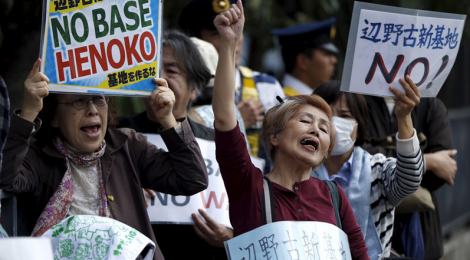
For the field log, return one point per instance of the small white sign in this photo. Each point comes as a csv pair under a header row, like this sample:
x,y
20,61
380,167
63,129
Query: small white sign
x,y
290,240
387,43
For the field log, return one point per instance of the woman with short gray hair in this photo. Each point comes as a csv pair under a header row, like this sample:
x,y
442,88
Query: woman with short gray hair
x,y
298,144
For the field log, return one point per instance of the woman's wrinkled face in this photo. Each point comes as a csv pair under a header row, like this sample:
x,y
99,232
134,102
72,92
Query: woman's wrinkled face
x,y
305,137
84,129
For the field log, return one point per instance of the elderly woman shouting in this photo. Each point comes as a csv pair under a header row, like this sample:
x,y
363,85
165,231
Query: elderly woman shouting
x,y
81,165
298,136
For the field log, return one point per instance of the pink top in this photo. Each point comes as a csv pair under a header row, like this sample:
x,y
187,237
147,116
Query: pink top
x,y
310,200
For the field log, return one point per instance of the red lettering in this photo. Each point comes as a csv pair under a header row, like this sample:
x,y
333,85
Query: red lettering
x,y
147,57
61,65
212,196
109,52
94,55
127,50
80,60
131,50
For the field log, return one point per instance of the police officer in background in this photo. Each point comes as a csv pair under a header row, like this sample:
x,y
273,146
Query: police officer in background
x,y
255,93
309,55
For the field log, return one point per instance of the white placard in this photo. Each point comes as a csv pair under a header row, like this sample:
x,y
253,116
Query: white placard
x,y
387,43
167,208
290,240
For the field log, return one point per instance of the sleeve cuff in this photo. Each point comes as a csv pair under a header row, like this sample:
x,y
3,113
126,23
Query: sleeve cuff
x,y
178,136
408,146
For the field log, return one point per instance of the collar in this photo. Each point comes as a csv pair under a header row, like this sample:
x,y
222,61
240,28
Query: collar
x,y
299,86
343,177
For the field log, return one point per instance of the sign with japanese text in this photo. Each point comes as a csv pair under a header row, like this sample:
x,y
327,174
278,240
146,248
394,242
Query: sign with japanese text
x,y
166,208
290,240
97,46
387,43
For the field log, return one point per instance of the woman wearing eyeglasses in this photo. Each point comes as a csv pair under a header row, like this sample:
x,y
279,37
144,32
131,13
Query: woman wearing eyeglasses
x,y
80,165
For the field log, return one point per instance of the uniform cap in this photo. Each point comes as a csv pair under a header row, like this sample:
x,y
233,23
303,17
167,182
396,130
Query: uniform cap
x,y
308,35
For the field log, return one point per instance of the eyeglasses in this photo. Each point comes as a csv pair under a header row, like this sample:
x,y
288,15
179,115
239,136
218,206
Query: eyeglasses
x,y
82,103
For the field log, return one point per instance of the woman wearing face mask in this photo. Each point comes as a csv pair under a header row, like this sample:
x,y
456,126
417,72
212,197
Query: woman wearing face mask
x,y
374,184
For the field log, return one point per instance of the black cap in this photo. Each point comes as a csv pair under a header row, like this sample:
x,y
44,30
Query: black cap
x,y
308,35
200,14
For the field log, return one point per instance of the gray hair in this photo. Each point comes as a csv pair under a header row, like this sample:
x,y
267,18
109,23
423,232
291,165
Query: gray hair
x,y
189,59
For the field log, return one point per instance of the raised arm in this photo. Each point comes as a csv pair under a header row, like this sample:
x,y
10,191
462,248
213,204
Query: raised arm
x,y
229,24
402,175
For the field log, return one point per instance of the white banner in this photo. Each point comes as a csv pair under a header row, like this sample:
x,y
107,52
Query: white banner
x,y
291,240
387,43
178,209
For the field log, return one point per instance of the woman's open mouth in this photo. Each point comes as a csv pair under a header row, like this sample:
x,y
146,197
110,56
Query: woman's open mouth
x,y
92,130
309,144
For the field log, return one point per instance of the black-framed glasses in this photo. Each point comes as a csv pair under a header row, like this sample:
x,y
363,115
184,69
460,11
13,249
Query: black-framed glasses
x,y
82,103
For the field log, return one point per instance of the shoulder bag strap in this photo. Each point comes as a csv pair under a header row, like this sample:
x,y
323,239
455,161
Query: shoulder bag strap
x,y
267,203
336,203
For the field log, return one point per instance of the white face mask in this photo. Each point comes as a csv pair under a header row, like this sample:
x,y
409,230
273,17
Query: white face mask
x,y
344,129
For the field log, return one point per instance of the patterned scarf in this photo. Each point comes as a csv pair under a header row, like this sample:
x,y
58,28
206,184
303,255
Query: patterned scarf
x,y
58,206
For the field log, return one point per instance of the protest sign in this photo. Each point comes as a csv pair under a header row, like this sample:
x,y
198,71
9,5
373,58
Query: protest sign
x,y
86,237
386,43
290,240
96,46
178,209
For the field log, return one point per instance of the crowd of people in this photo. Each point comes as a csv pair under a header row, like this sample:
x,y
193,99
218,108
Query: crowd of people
x,y
68,155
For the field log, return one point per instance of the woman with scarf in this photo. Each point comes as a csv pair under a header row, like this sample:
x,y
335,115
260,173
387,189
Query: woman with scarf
x,y
81,165
374,184
298,136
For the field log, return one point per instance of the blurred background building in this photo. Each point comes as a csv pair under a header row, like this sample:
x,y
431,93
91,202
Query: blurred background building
x,y
20,34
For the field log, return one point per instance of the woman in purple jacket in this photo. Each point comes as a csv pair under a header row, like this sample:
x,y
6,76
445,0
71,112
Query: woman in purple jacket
x,y
81,165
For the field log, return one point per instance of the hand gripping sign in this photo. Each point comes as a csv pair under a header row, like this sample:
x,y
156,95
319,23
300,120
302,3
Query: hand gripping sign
x,y
97,46
165,209
290,240
387,43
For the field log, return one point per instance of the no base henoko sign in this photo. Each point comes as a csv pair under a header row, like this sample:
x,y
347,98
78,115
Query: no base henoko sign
x,y
101,46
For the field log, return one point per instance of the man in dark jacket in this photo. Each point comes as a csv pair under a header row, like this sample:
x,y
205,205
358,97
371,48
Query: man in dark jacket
x,y
433,128
184,69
